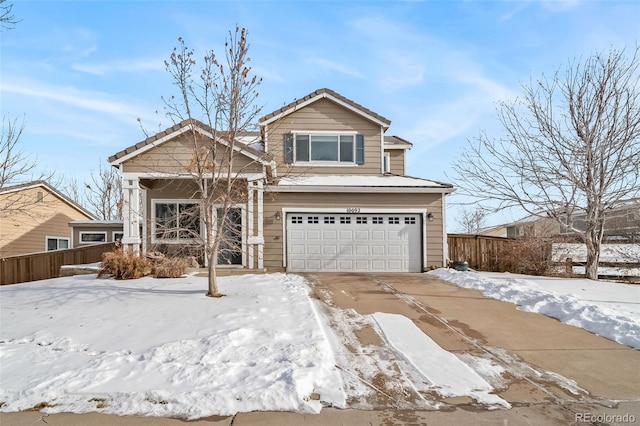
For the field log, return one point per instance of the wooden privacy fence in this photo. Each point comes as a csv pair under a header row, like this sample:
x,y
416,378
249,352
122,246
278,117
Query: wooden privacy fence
x,y
46,264
483,253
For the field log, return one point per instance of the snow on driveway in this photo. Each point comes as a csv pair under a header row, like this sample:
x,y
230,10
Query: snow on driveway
x,y
608,309
445,371
160,347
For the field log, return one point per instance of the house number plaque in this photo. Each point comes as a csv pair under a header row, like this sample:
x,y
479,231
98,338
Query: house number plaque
x,y
353,210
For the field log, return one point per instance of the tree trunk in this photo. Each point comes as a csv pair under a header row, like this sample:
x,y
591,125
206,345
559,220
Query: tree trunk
x,y
213,278
592,241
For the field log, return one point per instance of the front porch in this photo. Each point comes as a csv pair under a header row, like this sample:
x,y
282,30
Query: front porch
x,y
166,213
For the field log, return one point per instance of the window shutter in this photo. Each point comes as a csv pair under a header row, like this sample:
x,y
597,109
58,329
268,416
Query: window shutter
x,y
288,148
359,149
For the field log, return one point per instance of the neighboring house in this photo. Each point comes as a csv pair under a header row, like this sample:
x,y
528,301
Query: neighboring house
x,y
325,191
86,232
622,224
35,217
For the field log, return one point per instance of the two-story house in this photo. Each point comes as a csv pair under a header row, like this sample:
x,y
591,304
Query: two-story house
x,y
324,190
35,217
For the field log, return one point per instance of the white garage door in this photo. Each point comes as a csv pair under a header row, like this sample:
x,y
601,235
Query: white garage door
x,y
353,242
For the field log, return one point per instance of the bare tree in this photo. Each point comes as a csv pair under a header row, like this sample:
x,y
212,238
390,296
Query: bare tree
x,y
16,167
102,193
571,144
472,221
8,20
14,163
223,97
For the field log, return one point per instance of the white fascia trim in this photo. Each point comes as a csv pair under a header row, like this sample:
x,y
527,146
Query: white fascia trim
x,y
322,96
364,210
164,175
357,189
393,146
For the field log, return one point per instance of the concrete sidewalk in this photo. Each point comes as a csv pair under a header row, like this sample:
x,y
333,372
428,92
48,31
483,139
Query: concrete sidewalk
x,y
540,414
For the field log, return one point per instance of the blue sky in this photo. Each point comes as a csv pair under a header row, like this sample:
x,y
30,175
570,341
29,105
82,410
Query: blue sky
x,y
82,72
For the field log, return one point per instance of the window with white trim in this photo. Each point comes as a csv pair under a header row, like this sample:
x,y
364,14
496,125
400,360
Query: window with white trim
x,y
57,243
340,148
93,237
386,163
175,221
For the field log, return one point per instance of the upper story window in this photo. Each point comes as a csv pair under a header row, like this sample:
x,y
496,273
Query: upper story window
x,y
324,148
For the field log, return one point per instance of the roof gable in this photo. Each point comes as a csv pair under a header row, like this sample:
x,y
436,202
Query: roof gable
x,y
178,129
50,189
325,94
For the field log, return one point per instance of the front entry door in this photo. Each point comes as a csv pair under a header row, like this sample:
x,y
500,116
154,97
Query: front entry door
x,y
230,251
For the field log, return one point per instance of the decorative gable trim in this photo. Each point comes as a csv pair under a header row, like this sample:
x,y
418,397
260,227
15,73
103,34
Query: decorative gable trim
x,y
332,96
175,131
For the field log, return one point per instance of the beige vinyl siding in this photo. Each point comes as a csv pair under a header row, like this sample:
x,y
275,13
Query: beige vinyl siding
x,y
325,115
176,155
396,161
26,232
273,230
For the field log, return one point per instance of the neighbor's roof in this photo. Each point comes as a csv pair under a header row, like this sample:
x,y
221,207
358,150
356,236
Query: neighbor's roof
x,y
361,183
324,94
51,189
180,128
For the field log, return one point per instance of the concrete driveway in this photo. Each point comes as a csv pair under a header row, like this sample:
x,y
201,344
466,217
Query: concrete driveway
x,y
554,374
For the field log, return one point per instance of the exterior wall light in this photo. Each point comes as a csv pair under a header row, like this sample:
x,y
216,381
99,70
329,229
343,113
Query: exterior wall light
x,y
278,216
430,217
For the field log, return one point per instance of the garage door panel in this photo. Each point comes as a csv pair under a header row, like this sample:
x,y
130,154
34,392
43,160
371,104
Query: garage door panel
x,y
297,249
362,250
362,235
346,265
346,250
314,249
378,235
330,265
378,250
330,250
313,234
356,242
329,234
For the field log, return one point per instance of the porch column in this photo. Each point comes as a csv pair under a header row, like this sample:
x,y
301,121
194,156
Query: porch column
x,y
130,213
260,226
250,219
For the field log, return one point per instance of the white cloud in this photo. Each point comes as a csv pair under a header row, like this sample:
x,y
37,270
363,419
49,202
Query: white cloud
x,y
120,66
87,100
334,66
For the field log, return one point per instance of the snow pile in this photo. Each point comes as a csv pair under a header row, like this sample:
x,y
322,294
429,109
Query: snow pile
x,y
448,375
161,348
605,308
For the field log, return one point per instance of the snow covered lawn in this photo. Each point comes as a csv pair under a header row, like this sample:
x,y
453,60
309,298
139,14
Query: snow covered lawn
x,y
605,308
160,347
